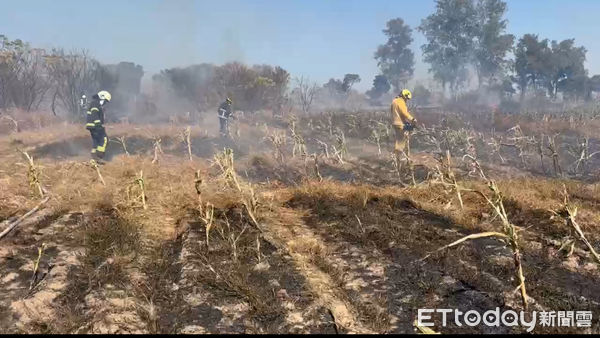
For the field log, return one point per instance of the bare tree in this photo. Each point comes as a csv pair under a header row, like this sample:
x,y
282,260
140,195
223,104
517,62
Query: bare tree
x,y
31,83
23,77
72,74
306,92
9,63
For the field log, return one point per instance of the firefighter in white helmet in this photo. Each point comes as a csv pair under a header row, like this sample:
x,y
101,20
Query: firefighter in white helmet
x,y
95,123
83,102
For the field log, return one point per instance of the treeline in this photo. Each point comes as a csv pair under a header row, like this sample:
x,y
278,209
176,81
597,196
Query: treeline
x,y
467,40
204,86
34,78
30,77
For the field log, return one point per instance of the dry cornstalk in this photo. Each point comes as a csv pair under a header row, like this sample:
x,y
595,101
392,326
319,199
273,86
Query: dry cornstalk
x,y
225,162
376,138
121,140
509,235
197,185
583,155
341,149
466,238
338,155
511,231
33,174
236,127
249,199
251,203
324,147
352,123
14,122
430,138
157,149
306,171
185,135
317,172
568,213
299,144
22,218
397,164
476,166
278,140
386,128
554,154
208,219
447,177
411,167
94,165
258,255
36,265
233,240
495,144
360,225
330,123
539,147
141,183
520,142
471,148
566,242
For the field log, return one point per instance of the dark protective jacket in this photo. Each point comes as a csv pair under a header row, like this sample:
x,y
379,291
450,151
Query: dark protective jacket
x,y
225,110
94,116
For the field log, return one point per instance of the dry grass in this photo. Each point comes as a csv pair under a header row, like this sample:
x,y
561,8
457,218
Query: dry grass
x,y
135,203
329,201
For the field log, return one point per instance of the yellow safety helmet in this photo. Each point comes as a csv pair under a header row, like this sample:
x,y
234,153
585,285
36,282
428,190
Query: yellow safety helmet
x,y
406,94
229,100
104,95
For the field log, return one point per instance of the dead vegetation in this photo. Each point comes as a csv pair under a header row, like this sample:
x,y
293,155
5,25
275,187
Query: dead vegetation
x,y
318,231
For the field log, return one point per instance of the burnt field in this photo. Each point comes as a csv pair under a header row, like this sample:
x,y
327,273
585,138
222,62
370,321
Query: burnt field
x,y
301,224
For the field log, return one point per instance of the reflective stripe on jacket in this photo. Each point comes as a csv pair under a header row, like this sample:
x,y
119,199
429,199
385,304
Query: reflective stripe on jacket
x,y
224,111
94,115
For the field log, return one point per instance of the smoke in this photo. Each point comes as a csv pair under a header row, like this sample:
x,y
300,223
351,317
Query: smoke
x,y
231,49
180,20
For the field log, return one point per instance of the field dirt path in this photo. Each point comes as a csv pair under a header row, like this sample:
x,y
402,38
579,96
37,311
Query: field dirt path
x,y
286,229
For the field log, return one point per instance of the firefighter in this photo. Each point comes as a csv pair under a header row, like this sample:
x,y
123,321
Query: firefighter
x,y
95,123
83,103
224,115
402,121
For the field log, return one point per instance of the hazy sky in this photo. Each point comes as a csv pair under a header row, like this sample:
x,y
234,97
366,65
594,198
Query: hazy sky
x,y
316,38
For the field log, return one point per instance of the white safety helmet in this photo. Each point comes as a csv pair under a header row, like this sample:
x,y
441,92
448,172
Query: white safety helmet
x,y
104,95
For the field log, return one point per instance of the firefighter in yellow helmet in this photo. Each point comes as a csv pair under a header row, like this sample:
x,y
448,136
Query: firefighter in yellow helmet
x,y
95,123
402,121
